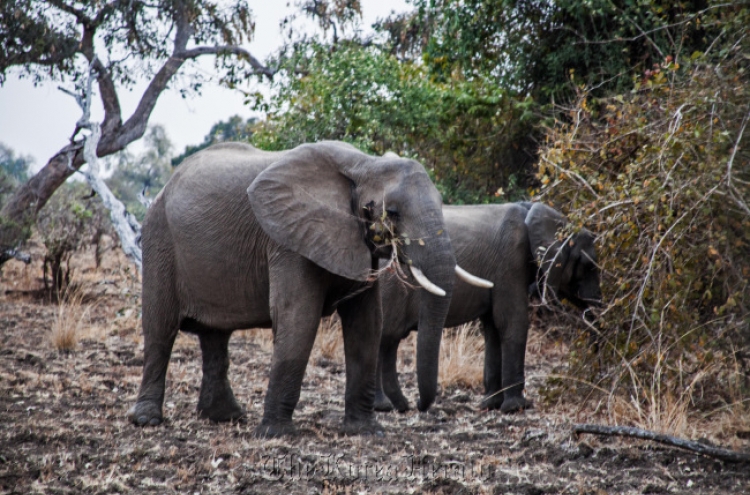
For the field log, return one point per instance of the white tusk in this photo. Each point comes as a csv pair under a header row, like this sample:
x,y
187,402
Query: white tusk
x,y
473,279
425,282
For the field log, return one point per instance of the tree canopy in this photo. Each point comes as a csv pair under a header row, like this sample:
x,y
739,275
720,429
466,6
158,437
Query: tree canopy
x,y
537,48
469,134
63,40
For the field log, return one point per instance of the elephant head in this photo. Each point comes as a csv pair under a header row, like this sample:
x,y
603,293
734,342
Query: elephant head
x,y
343,209
567,269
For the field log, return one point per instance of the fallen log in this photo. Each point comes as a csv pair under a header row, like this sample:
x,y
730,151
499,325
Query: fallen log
x,y
628,431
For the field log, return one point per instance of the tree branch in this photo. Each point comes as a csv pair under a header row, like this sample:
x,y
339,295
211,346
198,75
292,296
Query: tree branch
x,y
127,227
80,15
233,50
627,431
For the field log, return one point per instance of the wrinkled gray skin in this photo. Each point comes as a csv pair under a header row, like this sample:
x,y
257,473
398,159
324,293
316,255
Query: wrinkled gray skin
x,y
495,242
298,249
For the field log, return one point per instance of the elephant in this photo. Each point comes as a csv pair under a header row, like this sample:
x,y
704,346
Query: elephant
x,y
515,246
244,238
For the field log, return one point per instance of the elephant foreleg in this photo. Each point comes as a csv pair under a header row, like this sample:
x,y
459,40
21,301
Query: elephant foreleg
x,y
217,401
382,403
361,322
389,358
493,366
296,309
513,362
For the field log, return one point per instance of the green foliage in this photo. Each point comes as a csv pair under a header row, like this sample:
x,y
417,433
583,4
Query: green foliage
x,y
45,39
662,174
467,133
234,129
537,47
142,174
13,171
73,219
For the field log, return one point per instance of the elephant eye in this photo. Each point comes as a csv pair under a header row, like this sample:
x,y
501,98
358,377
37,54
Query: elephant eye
x,y
392,213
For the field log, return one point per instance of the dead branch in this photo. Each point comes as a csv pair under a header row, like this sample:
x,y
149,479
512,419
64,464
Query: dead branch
x,y
127,227
628,431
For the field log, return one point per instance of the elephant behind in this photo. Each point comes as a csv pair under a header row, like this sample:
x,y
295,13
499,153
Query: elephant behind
x,y
242,238
515,246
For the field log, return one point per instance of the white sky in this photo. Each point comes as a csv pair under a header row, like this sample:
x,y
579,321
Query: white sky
x,y
38,121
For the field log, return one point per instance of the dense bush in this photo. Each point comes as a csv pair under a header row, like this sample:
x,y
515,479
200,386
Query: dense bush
x,y
662,174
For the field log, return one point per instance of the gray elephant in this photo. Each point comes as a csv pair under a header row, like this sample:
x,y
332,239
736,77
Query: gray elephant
x,y
306,243
515,246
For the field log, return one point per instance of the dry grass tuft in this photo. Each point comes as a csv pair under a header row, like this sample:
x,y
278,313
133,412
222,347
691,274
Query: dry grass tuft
x,y
462,357
72,320
329,342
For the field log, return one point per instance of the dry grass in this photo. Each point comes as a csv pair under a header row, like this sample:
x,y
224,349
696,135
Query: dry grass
x,y
72,321
262,337
329,343
462,357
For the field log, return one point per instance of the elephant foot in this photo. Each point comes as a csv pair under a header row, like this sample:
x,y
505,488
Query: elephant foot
x,y
223,413
382,403
269,429
492,402
422,406
401,404
362,427
514,404
218,404
145,413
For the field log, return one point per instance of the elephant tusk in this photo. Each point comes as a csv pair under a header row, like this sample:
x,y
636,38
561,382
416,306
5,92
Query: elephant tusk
x,y
473,279
425,282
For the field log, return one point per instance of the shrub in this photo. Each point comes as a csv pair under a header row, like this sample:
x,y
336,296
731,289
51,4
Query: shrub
x,y
662,174
71,220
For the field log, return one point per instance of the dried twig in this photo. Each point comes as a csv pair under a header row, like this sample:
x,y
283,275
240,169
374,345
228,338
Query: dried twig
x,y
628,431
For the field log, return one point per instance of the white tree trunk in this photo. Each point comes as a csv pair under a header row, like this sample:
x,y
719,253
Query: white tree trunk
x,y
127,227
125,224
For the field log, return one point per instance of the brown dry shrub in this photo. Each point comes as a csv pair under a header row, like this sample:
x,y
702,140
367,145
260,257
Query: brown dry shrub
x,y
663,176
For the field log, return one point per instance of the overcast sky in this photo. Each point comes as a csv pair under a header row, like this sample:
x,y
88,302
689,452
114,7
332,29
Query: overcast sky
x,y
39,121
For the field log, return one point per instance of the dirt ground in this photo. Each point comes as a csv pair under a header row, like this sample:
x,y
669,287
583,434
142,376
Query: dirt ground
x,y
63,427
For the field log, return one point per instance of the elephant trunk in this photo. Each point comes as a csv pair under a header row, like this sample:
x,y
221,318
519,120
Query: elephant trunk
x,y
432,313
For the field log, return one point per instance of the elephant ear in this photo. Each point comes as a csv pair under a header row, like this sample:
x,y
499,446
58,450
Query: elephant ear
x,y
542,223
304,202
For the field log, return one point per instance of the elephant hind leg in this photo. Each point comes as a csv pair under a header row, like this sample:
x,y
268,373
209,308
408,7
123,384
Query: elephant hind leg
x,y
493,366
217,401
160,327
